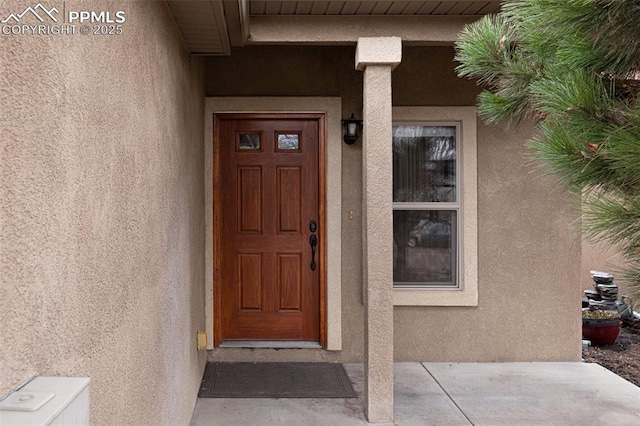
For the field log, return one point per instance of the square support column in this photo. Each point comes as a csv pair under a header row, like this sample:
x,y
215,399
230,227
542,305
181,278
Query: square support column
x,y
377,57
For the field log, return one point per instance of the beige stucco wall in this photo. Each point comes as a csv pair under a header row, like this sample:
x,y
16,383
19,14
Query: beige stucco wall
x,y
102,214
528,270
529,251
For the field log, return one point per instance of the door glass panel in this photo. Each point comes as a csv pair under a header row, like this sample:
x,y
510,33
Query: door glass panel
x,y
424,163
424,247
288,142
249,142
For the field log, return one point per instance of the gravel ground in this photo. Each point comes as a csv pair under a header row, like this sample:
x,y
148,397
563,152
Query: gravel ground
x,y
623,357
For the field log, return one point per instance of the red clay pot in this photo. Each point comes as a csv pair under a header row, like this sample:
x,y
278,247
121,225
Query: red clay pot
x,y
601,331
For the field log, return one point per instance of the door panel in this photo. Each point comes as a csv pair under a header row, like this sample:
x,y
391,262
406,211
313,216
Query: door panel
x,y
249,281
289,281
249,200
288,191
268,194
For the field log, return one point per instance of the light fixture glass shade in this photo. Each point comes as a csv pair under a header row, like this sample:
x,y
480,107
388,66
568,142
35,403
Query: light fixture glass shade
x,y
351,125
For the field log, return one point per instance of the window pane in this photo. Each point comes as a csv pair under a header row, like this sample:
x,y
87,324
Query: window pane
x,y
288,142
249,142
424,163
424,247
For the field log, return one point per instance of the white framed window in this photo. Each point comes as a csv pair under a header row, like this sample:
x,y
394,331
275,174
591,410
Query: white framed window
x,y
426,207
435,206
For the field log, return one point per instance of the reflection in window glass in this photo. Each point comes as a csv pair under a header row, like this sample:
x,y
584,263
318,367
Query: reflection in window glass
x,y
424,163
288,142
249,142
424,247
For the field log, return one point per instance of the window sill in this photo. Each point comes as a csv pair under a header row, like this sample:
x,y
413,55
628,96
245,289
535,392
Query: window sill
x,y
435,297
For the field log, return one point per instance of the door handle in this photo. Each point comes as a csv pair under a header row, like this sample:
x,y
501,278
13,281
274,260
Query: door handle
x,y
313,242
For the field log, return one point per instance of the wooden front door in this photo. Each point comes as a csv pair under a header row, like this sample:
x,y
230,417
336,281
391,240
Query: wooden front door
x,y
268,216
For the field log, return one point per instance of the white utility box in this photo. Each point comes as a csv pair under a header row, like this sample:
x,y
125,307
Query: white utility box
x,y
48,401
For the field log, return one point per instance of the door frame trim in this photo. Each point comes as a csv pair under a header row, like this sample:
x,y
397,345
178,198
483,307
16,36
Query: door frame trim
x,y
330,172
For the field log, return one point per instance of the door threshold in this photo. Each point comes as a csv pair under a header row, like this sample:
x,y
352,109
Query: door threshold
x,y
271,344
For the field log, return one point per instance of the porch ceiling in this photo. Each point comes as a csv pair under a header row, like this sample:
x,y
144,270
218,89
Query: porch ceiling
x,y
212,27
368,8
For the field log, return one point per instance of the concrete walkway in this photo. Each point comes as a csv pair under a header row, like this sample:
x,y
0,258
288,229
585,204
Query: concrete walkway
x,y
510,394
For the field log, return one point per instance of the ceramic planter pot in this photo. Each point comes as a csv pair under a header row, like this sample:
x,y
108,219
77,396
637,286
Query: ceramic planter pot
x,y
601,331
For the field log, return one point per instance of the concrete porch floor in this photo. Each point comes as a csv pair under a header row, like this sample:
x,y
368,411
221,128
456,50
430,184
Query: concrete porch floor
x,y
456,394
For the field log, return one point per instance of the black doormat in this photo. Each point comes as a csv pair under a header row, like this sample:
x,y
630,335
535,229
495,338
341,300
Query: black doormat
x,y
275,380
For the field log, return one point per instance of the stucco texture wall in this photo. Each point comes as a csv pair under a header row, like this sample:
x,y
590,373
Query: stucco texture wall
x,y
102,218
528,270
529,250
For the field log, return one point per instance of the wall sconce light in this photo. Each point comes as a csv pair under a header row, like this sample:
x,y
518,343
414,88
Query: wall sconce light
x,y
351,125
